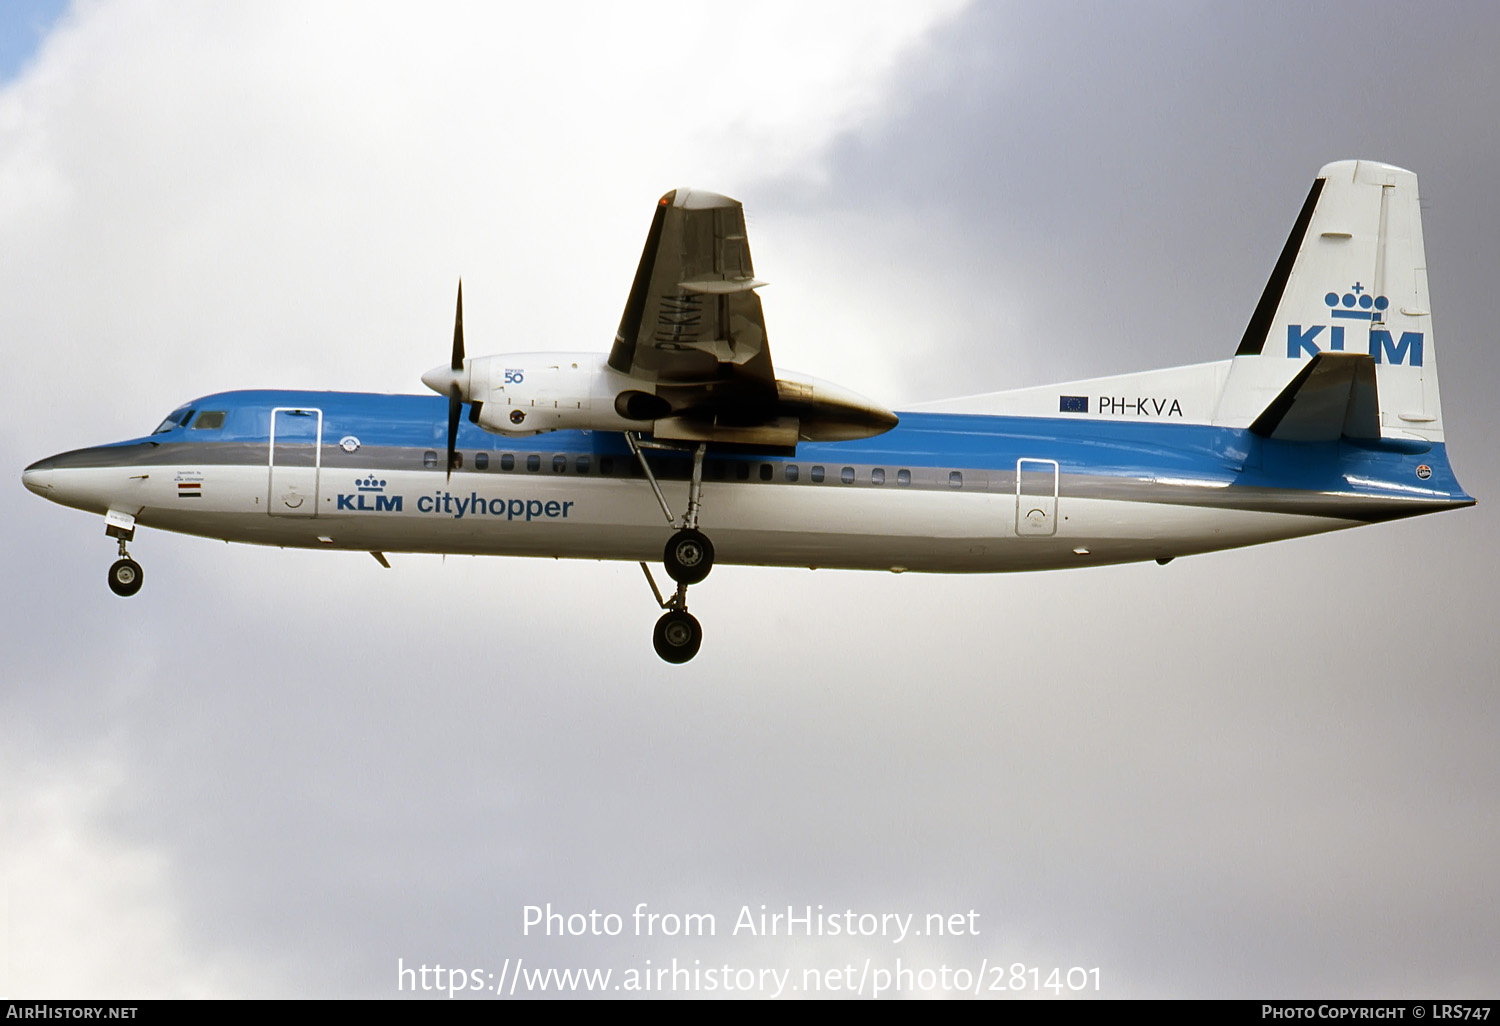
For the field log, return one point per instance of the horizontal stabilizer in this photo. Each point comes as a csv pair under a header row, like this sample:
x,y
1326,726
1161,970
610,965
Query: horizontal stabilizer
x,y
1333,396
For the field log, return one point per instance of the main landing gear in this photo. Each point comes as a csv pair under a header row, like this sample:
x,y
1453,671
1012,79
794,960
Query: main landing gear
x,y
688,556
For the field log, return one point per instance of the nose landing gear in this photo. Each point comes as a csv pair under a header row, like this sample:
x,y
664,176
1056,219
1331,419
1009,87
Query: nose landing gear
x,y
125,574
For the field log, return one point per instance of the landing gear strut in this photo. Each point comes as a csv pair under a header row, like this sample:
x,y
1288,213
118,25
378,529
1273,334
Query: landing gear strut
x,y
688,556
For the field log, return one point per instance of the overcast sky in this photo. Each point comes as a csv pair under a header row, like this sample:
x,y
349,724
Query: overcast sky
x,y
275,773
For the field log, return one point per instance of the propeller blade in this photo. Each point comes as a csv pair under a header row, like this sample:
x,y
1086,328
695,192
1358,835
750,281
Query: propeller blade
x,y
458,331
455,397
455,407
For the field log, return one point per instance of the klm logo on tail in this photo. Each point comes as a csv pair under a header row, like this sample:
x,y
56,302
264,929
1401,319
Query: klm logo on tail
x,y
1356,305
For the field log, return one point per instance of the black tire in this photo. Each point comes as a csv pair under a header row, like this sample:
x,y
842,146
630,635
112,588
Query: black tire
x,y
689,556
677,636
125,577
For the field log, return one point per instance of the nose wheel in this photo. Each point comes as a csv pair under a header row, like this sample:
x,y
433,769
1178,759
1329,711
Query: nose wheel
x,y
125,577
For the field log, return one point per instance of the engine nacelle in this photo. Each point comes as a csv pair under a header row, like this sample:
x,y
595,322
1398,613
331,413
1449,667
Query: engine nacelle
x,y
529,393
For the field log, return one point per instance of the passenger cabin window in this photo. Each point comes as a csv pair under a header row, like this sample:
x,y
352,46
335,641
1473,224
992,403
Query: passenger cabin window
x,y
877,476
791,471
481,461
507,461
429,458
606,465
581,464
458,460
559,464
955,479
817,475
847,475
903,477
765,471
742,471
209,420
533,463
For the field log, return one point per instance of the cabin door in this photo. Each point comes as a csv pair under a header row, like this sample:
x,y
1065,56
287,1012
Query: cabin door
x,y
295,460
1036,498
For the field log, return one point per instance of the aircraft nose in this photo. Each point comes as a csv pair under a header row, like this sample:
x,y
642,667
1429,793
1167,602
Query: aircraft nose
x,y
38,476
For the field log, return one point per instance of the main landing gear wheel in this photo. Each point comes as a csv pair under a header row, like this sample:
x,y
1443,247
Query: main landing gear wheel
x,y
689,556
125,577
677,636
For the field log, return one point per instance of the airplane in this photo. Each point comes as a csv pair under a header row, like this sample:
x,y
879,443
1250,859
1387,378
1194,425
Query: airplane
x,y
685,442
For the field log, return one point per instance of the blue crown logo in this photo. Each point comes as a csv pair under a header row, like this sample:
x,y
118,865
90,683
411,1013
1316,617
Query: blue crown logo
x,y
1357,304
370,484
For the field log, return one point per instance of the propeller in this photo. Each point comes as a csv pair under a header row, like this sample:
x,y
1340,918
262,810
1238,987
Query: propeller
x,y
448,380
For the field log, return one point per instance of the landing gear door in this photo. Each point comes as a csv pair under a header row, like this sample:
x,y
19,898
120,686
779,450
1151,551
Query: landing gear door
x,y
1036,498
295,459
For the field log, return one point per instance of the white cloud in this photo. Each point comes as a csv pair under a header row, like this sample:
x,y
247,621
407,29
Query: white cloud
x,y
285,193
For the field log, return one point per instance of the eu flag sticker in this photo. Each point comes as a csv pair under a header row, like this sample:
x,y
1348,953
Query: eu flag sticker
x,y
1072,404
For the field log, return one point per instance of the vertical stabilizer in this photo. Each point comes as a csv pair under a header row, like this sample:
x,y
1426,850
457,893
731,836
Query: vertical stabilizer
x,y
1351,279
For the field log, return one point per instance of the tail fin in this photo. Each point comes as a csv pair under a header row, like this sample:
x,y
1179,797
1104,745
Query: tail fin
x,y
1352,279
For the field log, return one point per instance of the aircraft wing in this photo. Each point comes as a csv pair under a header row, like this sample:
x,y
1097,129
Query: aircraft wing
x,y
694,336
693,321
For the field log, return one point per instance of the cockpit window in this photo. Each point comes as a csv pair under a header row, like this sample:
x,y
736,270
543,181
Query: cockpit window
x,y
208,420
175,420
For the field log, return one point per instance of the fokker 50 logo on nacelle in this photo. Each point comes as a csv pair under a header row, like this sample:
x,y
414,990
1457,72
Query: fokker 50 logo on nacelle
x,y
370,497
1356,305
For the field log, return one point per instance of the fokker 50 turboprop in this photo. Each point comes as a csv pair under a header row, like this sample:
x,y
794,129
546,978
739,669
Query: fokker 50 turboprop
x,y
1326,417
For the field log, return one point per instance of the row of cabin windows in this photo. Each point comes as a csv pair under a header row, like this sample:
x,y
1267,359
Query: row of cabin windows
x,y
714,470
